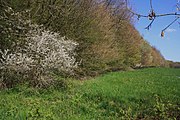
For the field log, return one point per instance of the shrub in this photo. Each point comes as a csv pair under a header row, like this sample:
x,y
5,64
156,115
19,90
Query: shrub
x,y
42,52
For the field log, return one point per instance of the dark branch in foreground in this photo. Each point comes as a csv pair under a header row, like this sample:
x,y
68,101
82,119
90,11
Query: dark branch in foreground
x,y
152,15
149,26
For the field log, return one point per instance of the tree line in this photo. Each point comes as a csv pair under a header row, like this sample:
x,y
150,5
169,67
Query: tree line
x,y
103,29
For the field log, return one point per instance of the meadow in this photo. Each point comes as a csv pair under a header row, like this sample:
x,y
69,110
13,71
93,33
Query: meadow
x,y
151,93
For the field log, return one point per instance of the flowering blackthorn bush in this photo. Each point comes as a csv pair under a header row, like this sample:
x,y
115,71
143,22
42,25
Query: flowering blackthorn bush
x,y
41,52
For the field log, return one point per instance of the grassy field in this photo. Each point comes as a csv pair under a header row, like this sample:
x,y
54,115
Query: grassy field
x,y
152,93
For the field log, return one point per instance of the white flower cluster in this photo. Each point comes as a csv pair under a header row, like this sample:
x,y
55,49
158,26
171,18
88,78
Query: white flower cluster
x,y
44,50
15,61
50,50
35,53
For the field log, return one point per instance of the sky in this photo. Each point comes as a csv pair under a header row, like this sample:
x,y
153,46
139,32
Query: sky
x,y
169,45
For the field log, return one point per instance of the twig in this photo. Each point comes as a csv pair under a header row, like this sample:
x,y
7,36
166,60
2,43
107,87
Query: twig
x,y
178,7
170,24
150,24
139,15
157,15
169,14
151,5
152,15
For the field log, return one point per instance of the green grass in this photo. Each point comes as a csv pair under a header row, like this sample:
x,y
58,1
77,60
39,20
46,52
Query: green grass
x,y
142,94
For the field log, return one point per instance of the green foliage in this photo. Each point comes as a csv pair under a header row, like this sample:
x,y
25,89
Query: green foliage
x,y
104,30
11,29
174,64
143,94
146,57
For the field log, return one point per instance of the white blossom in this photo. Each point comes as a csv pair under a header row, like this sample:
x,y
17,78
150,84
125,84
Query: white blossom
x,y
44,50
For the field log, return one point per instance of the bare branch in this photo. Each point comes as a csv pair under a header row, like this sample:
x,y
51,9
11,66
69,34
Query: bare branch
x,y
152,15
139,15
150,24
170,24
169,14
178,5
151,4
